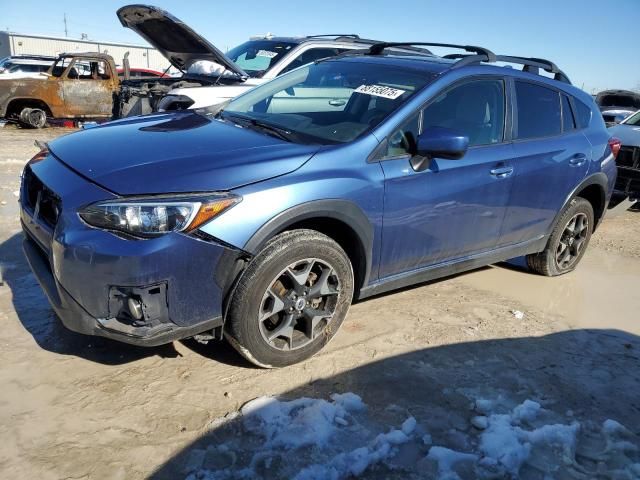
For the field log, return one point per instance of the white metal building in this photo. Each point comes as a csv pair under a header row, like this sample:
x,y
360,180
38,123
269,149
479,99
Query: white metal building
x,y
140,56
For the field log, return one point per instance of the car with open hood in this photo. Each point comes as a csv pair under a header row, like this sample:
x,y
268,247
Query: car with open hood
x,y
211,77
344,178
616,105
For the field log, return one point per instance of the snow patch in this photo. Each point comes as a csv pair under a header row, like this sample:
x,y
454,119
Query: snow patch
x,y
300,422
510,445
334,439
447,459
355,462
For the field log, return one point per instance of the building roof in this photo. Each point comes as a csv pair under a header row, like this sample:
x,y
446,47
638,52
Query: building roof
x,y
78,40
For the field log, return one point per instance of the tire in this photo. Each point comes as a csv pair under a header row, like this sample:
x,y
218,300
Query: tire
x,y
33,117
553,261
270,294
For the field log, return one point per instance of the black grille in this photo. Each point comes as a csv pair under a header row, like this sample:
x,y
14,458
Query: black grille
x,y
38,198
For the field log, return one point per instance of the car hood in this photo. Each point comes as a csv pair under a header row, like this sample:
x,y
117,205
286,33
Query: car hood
x,y
176,41
629,135
177,152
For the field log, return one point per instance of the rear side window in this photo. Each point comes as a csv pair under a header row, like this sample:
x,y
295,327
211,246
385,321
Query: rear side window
x,y
583,114
538,111
568,123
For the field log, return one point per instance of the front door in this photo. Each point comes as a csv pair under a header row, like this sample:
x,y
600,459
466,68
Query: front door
x,y
454,208
88,89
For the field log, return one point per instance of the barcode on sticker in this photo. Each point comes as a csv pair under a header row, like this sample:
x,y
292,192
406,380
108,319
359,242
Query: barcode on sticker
x,y
380,91
266,53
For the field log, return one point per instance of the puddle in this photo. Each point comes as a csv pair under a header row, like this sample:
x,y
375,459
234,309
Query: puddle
x,y
603,292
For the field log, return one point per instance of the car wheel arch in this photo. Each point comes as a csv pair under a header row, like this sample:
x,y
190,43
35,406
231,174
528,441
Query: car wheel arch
x,y
593,189
16,104
341,220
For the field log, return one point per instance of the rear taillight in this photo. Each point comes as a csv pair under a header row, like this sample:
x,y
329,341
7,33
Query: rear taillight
x,y
615,144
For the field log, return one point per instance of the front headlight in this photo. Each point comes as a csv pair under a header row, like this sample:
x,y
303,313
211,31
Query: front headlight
x,y
153,216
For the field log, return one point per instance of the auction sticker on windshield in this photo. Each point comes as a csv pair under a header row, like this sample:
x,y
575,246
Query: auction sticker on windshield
x,y
266,53
380,91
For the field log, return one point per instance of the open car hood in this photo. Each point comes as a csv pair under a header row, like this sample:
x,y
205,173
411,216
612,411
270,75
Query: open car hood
x,y
175,40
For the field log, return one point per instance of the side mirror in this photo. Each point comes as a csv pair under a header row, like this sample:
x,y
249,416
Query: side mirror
x,y
440,142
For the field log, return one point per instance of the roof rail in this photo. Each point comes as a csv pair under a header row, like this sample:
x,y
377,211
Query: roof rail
x,y
477,55
352,35
533,65
530,65
489,56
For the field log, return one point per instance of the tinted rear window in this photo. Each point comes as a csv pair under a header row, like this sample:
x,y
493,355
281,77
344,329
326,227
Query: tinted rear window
x,y
583,114
538,111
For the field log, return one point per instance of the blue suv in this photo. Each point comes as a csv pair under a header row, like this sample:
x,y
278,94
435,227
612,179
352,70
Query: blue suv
x,y
262,221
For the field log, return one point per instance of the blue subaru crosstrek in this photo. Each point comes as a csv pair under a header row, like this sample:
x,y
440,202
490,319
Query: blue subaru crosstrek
x,y
262,220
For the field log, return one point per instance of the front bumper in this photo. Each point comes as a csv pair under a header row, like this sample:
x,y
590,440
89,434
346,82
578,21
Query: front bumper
x,y
74,317
88,274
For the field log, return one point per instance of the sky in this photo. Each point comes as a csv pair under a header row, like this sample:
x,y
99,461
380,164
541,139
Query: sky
x,y
594,41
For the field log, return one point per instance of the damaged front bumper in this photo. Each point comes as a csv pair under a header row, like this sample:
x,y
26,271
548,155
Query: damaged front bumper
x,y
142,292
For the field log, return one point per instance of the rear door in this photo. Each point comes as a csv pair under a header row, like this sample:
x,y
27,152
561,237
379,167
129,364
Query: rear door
x,y
552,157
454,208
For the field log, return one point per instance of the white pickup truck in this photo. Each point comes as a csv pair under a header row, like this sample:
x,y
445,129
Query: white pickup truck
x,y
211,77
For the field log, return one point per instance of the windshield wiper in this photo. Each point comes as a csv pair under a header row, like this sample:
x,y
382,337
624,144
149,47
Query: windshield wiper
x,y
281,133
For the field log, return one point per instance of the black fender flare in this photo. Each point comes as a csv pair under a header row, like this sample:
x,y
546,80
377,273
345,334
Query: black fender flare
x,y
598,178
344,211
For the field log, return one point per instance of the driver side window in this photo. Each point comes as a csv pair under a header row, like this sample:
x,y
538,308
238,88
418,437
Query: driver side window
x,y
475,109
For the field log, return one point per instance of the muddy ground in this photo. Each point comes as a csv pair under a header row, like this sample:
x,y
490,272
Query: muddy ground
x,y
79,407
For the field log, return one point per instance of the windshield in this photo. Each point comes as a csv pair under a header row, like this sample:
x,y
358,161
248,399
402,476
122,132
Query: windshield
x,y
329,102
634,119
257,56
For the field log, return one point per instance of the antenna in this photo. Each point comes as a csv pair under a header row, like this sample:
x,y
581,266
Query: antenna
x,y
65,25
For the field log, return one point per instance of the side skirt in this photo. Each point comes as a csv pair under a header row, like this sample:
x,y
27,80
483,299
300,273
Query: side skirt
x,y
453,267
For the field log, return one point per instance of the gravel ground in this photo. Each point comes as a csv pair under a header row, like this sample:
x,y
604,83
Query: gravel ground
x,y
80,407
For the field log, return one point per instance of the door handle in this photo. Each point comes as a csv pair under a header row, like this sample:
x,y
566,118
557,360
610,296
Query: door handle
x,y
501,172
577,160
337,103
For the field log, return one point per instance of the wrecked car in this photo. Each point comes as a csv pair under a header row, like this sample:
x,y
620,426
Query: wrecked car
x,y
342,179
76,85
628,160
25,64
616,105
211,77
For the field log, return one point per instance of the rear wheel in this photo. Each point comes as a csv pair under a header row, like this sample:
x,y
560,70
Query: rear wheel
x,y
291,299
568,241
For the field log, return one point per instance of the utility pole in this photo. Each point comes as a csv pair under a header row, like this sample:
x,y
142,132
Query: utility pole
x,y
65,25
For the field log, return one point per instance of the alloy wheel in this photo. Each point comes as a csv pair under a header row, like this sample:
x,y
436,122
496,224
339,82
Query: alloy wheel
x,y
299,304
572,241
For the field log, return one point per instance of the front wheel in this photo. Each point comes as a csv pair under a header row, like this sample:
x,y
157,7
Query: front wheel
x,y
568,241
33,117
290,300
